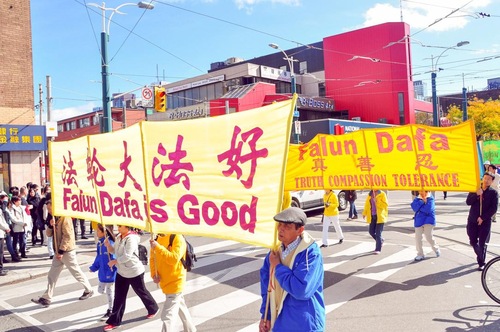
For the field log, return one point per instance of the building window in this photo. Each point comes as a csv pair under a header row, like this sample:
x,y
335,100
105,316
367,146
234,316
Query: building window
x,y
60,128
303,67
72,125
321,89
82,123
95,120
67,127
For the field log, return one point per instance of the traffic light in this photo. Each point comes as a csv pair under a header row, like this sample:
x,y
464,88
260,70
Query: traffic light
x,y
160,99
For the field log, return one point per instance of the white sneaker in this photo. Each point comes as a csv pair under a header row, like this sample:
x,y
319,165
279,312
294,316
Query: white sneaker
x,y
438,253
419,258
349,219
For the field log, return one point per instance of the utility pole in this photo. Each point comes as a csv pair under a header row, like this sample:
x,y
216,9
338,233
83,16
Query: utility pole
x,y
49,99
43,174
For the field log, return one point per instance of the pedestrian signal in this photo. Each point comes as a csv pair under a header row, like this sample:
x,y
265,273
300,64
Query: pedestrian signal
x,y
160,99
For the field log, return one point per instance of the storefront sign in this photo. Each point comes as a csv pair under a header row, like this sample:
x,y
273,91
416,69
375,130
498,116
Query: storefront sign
x,y
22,138
316,104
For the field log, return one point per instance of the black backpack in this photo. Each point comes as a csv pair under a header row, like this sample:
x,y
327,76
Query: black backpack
x,y
188,263
143,254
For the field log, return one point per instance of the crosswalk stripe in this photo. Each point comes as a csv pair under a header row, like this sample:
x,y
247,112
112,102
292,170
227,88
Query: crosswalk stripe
x,y
358,249
343,291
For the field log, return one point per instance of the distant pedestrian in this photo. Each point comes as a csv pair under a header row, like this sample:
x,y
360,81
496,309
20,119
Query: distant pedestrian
x,y
495,184
424,222
352,196
106,274
19,220
375,212
4,206
130,273
61,229
331,215
483,205
445,194
4,229
80,221
167,270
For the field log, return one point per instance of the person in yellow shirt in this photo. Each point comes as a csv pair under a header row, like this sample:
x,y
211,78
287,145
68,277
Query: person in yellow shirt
x,y
331,215
167,270
375,213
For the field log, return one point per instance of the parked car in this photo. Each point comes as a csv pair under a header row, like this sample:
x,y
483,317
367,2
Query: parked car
x,y
313,199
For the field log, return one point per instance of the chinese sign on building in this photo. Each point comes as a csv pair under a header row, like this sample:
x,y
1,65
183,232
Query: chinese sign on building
x,y
22,138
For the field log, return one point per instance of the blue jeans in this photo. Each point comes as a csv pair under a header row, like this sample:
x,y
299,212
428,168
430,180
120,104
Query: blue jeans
x,y
352,209
376,233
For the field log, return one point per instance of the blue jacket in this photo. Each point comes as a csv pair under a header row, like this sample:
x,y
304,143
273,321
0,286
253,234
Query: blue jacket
x,y
105,274
303,307
425,212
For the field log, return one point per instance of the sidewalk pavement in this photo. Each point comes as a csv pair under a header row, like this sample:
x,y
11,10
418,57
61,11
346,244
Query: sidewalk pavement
x,y
451,221
38,262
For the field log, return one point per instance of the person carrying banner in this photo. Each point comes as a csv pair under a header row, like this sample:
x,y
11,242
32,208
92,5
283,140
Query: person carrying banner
x,y
375,213
424,222
167,270
291,279
61,230
130,273
483,205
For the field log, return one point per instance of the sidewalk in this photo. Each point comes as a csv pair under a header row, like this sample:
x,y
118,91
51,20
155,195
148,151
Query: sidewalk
x,y
38,262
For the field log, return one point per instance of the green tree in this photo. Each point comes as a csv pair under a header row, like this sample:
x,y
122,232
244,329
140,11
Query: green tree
x,y
486,116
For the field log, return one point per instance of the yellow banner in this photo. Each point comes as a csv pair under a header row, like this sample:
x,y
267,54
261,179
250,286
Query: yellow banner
x,y
408,157
218,177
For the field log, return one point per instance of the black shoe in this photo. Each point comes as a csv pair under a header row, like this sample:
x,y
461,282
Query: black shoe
x,y
323,246
51,256
24,256
106,315
480,268
5,260
41,301
84,237
86,295
16,259
3,273
341,240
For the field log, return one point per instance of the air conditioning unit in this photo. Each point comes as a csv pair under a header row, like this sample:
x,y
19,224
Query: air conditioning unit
x,y
356,118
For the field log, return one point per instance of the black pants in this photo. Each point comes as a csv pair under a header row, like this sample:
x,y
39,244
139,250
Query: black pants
x,y
2,240
82,226
122,285
478,236
19,238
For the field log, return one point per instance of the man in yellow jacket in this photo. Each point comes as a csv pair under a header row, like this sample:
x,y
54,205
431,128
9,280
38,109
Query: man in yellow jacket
x,y
331,215
168,271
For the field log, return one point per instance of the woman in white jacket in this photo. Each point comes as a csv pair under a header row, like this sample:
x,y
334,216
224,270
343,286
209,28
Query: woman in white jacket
x,y
4,229
17,216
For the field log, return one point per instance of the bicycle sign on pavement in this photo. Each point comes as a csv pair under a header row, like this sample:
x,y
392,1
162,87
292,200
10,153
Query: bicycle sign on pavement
x,y
147,97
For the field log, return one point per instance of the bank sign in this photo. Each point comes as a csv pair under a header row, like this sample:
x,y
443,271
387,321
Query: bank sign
x,y
22,138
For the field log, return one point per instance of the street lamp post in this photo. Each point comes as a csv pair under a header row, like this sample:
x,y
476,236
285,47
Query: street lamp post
x,y
106,107
435,69
296,114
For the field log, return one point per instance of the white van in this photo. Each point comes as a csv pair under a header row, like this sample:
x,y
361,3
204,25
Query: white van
x,y
313,199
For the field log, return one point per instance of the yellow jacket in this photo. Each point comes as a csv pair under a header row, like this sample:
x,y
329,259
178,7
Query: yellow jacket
x,y
166,262
381,205
331,203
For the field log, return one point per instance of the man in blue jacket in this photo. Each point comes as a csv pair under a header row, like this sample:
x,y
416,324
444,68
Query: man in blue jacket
x,y
296,272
